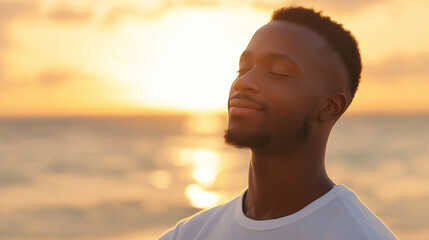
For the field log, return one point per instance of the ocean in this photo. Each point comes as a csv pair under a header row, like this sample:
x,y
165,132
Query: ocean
x,y
135,177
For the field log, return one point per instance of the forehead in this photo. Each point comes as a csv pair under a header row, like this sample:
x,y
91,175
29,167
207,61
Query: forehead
x,y
306,48
288,39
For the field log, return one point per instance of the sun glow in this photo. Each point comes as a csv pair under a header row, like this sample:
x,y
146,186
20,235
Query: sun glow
x,y
181,59
186,60
138,57
193,70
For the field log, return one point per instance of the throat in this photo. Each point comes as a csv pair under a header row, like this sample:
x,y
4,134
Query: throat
x,y
273,208
277,191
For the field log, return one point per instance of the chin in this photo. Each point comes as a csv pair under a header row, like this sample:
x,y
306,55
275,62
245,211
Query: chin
x,y
246,140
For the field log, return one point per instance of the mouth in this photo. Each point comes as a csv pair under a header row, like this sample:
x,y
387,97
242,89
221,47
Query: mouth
x,y
243,104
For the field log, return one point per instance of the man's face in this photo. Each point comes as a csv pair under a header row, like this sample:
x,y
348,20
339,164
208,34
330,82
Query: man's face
x,y
284,76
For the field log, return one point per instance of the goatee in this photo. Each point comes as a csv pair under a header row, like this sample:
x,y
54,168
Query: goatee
x,y
255,141
263,139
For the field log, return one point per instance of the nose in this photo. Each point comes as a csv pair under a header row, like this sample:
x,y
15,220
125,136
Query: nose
x,y
246,83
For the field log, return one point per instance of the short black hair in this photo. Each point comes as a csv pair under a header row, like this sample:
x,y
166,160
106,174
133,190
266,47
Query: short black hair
x,y
338,38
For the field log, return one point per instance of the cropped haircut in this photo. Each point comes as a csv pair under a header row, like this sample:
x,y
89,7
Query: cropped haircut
x,y
338,38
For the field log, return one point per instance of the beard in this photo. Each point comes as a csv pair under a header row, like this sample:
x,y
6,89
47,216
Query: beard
x,y
263,139
257,140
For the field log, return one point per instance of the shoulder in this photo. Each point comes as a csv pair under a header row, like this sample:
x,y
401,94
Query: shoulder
x,y
356,218
191,226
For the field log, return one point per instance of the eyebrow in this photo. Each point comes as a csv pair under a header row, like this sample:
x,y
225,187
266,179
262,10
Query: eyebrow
x,y
271,55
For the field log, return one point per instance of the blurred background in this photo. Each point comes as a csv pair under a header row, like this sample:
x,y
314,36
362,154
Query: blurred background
x,y
112,113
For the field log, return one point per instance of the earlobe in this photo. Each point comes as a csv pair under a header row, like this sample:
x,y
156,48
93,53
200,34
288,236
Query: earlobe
x,y
334,107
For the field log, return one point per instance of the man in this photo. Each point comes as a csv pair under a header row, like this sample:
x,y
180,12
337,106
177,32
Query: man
x,y
297,76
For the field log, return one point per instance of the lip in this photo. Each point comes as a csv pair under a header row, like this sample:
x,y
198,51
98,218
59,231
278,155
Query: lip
x,y
244,104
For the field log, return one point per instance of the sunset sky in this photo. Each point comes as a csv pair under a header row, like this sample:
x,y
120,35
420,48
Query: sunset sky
x,y
108,57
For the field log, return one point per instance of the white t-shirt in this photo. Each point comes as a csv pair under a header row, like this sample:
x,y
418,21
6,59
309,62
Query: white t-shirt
x,y
338,214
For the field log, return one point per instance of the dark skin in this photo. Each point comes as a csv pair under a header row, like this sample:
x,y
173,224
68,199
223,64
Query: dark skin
x,y
297,88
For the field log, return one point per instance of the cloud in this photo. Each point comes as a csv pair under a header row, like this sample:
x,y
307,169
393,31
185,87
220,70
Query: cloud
x,y
49,78
54,77
46,78
119,12
10,11
399,66
341,6
64,13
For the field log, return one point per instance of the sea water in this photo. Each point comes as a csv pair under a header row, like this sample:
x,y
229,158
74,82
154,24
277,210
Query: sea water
x,y
135,177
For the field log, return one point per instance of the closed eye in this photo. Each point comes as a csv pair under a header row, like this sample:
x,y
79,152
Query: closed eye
x,y
279,74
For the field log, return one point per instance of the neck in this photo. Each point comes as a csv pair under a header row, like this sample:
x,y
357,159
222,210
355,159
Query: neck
x,y
283,183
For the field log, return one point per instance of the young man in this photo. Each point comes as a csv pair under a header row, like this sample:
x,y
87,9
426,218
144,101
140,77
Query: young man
x,y
297,76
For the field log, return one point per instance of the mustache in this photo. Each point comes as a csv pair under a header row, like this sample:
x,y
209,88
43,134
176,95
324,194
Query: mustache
x,y
264,106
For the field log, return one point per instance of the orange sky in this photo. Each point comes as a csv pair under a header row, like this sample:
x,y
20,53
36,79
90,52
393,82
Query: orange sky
x,y
106,57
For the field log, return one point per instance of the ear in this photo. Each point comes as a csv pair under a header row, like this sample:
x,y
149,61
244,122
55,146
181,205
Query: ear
x,y
334,107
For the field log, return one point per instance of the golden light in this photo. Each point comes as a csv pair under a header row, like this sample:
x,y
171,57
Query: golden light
x,y
199,157
205,164
204,158
204,124
204,176
185,60
150,58
160,179
200,198
194,66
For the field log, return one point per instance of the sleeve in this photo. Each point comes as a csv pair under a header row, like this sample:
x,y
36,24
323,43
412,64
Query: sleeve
x,y
172,234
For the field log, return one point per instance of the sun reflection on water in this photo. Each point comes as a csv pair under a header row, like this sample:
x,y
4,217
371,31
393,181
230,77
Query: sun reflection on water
x,y
205,176
201,198
205,166
160,179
